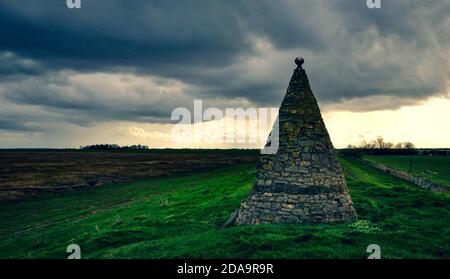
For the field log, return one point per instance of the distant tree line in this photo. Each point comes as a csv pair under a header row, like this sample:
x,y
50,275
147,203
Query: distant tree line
x,y
379,146
113,147
380,143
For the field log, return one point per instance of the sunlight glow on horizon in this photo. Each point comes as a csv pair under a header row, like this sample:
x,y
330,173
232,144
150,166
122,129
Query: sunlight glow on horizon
x,y
425,125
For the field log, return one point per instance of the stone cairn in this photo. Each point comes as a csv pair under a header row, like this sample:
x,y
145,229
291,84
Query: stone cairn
x,y
302,182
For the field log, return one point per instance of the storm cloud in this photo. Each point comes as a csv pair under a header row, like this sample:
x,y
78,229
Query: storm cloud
x,y
137,60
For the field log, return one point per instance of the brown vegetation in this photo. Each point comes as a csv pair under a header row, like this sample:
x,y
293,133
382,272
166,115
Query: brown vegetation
x,y
29,173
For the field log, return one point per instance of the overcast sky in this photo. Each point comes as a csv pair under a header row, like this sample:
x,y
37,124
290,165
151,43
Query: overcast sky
x,y
70,77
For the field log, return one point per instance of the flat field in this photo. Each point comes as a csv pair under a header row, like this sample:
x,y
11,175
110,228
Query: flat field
x,y
30,173
180,216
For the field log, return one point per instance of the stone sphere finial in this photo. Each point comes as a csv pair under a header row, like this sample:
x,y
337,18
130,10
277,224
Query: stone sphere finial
x,y
299,61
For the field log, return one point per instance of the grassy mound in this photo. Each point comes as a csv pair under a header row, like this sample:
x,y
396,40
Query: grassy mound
x,y
181,217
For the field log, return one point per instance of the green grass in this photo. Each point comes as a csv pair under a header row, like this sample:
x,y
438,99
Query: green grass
x,y
181,217
435,168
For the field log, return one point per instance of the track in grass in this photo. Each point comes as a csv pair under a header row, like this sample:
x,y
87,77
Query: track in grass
x,y
435,168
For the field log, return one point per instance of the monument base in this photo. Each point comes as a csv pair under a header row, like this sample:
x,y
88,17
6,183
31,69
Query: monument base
x,y
288,208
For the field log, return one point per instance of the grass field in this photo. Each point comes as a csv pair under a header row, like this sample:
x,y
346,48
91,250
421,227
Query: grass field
x,y
181,217
435,168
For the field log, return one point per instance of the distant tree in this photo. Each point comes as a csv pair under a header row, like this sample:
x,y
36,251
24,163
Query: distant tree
x,y
409,145
367,145
388,145
113,147
380,143
405,145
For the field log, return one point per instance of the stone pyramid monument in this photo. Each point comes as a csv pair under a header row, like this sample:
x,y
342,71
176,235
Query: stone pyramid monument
x,y
302,182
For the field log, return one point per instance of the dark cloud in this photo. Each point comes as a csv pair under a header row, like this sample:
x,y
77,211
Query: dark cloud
x,y
88,98
13,125
219,50
115,33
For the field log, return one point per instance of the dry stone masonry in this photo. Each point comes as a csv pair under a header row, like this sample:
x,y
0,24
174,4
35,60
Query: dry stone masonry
x,y
302,182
